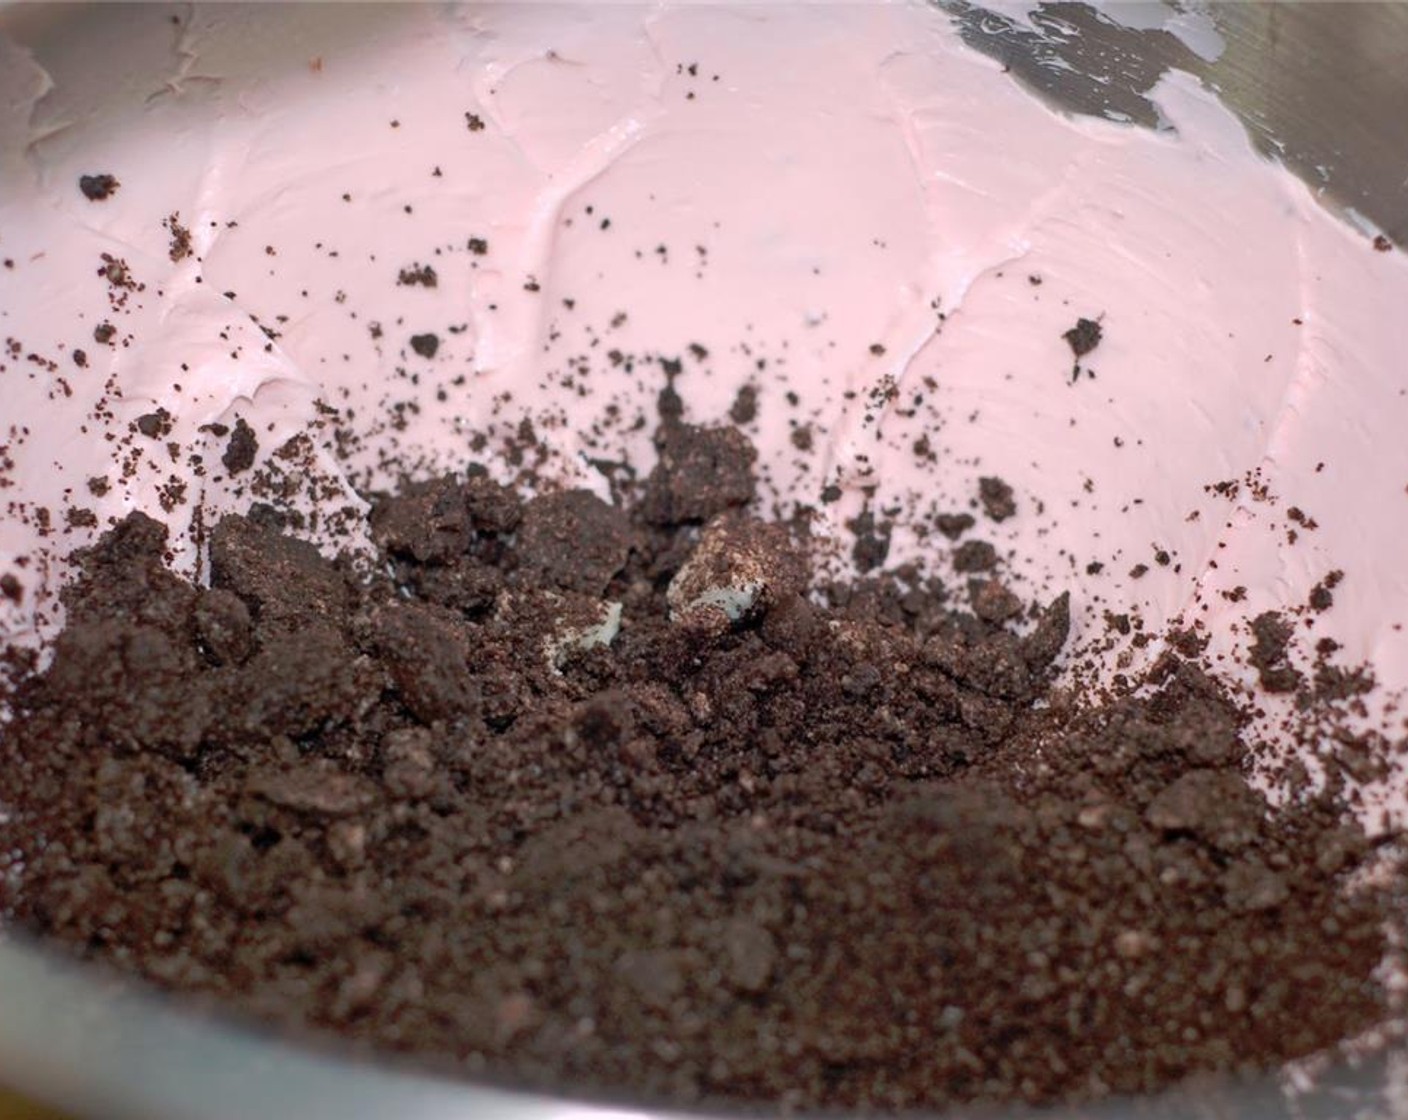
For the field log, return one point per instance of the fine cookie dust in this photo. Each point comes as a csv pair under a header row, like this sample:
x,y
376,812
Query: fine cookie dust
x,y
589,554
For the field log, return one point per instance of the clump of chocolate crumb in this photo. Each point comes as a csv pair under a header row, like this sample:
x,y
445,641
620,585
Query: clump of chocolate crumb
x,y
154,425
1084,337
241,449
180,247
572,541
422,274
426,345
605,799
98,188
974,556
701,472
954,525
1322,596
744,409
997,498
872,540
1271,634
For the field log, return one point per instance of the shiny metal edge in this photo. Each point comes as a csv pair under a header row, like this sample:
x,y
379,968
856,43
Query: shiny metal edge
x,y
1320,85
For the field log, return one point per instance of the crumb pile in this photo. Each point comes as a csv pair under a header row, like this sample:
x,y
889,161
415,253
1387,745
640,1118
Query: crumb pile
x,y
606,798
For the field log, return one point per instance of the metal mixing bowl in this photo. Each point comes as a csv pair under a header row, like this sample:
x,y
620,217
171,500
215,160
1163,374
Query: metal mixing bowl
x,y
1321,86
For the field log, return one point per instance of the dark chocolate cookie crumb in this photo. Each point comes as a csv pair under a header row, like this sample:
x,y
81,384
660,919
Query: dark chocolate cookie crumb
x,y
954,525
242,448
1084,337
553,781
1322,594
1272,635
422,274
154,425
572,541
98,188
997,498
974,556
744,409
180,246
701,473
426,345
872,541
427,521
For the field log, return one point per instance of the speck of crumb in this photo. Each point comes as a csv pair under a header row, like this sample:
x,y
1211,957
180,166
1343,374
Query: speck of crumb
x,y
1084,337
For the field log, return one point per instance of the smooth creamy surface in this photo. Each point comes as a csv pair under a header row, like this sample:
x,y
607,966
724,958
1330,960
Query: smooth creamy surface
x,y
841,201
